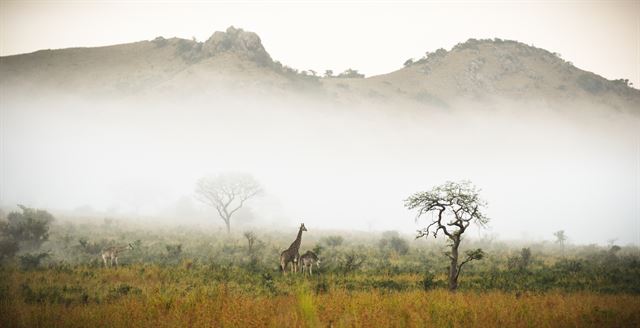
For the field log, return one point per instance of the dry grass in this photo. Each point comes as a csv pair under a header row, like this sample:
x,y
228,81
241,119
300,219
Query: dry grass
x,y
338,309
163,298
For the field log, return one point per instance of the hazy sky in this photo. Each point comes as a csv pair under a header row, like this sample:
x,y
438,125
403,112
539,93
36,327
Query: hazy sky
x,y
335,171
372,36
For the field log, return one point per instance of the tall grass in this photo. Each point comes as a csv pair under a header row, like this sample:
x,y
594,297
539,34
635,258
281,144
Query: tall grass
x,y
160,296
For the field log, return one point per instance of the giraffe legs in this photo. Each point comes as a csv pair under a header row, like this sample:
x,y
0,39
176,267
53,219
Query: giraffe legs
x,y
295,264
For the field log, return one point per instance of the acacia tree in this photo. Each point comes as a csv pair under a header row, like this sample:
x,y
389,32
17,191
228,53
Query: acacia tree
x,y
561,238
227,193
451,208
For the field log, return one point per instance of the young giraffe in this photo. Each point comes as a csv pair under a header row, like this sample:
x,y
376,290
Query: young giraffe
x,y
307,260
291,254
112,253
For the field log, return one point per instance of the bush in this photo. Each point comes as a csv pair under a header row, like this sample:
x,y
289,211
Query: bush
x,y
428,282
174,252
351,74
91,248
392,241
322,287
160,41
29,229
122,290
521,261
591,83
351,262
332,241
8,248
32,261
390,285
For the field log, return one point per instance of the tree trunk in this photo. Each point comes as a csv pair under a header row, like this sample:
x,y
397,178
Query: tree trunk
x,y
228,223
453,269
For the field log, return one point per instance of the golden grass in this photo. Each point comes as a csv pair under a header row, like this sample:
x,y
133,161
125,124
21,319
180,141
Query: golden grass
x,y
166,299
339,309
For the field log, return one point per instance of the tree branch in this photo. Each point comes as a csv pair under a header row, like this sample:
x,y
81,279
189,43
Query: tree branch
x,y
476,254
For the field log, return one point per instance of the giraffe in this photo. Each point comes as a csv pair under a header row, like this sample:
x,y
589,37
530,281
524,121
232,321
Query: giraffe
x,y
291,254
307,260
112,253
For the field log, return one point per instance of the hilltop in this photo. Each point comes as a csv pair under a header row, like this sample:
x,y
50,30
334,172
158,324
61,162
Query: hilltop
x,y
485,70
236,62
227,60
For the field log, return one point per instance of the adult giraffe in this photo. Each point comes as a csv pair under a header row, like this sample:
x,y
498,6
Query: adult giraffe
x,y
291,254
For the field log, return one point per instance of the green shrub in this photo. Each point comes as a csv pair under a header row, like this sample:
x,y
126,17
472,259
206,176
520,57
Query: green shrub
x,y
32,261
29,228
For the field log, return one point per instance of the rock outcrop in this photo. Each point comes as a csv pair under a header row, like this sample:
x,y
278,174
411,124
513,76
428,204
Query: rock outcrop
x,y
242,43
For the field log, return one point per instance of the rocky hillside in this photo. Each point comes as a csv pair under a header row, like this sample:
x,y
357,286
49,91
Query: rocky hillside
x,y
227,60
480,71
485,70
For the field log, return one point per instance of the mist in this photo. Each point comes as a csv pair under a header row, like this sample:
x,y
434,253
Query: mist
x,y
329,165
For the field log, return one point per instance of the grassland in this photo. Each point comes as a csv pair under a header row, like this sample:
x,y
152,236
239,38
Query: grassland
x,y
200,278
197,296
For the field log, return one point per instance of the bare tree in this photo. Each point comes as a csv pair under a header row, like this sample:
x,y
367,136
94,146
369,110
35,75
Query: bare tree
x,y
227,193
451,207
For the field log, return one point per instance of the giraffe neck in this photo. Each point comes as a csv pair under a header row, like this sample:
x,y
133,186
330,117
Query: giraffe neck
x,y
296,243
122,249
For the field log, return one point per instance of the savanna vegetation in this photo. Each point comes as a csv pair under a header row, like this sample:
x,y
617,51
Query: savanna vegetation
x,y
53,275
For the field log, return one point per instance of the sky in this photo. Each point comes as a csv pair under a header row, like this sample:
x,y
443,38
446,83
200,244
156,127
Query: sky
x,y
351,175
374,37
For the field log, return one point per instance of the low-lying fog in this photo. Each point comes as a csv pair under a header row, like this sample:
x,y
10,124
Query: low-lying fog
x,y
332,167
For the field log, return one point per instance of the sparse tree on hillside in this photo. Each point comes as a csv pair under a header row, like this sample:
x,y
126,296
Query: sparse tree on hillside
x,y
624,82
328,73
451,208
561,238
227,193
351,73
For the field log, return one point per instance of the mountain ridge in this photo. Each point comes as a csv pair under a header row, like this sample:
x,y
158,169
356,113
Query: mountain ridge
x,y
236,60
